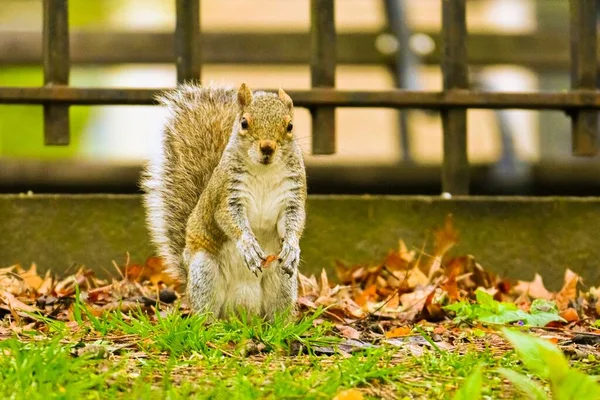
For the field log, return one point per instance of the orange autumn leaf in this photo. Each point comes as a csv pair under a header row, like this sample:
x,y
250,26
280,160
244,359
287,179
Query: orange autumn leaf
x,y
31,277
349,394
451,288
394,301
570,314
553,340
270,258
440,329
394,261
399,332
369,292
445,237
134,272
568,291
154,270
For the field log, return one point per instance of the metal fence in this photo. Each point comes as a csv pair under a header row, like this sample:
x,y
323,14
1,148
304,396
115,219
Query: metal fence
x,y
580,103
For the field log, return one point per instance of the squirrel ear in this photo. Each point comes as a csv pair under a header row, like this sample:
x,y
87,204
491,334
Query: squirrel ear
x,y
244,95
287,100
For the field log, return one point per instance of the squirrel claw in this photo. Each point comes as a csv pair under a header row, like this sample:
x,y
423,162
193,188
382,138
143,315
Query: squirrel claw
x,y
288,270
289,258
252,254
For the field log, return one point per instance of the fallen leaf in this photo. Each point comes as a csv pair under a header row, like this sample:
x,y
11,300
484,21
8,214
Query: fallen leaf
x,y
15,304
270,258
570,315
324,283
349,394
348,331
395,261
31,277
134,272
365,295
568,291
534,289
451,288
399,332
445,237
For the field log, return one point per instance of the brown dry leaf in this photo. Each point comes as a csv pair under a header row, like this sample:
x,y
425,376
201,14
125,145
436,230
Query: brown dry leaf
x,y
10,280
570,314
568,291
308,285
364,296
399,332
534,289
416,278
413,302
46,287
134,272
31,277
349,394
154,269
395,260
306,302
451,288
348,331
445,237
394,301
324,284
15,304
270,258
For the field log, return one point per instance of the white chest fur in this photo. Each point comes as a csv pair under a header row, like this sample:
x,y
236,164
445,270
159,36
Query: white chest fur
x,y
265,192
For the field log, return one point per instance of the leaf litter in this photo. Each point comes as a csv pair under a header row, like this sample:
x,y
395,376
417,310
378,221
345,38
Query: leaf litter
x,y
411,299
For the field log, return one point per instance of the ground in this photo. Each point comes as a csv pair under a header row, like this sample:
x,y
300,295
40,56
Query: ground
x,y
406,327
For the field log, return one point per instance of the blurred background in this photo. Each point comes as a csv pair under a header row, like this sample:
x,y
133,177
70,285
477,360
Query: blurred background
x,y
514,45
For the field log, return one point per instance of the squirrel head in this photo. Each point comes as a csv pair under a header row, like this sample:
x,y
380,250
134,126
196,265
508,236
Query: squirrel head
x,y
264,124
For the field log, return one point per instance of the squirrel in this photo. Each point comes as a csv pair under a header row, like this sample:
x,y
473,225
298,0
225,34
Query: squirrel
x,y
225,198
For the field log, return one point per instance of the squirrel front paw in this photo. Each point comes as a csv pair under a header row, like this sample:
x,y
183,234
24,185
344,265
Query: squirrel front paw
x,y
289,257
251,252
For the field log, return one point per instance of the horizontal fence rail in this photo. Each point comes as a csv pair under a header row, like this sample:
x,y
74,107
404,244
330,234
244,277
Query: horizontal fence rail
x,y
187,45
353,48
394,98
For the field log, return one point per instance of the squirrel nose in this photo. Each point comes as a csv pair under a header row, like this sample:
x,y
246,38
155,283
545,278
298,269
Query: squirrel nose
x,y
267,147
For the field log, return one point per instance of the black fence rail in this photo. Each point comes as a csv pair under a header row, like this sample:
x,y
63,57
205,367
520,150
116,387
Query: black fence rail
x,y
581,102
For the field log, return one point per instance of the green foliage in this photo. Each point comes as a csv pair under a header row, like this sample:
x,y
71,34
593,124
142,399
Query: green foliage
x,y
548,362
41,371
488,310
527,386
21,127
471,389
180,335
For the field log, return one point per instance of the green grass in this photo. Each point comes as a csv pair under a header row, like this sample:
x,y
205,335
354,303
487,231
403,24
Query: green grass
x,y
176,356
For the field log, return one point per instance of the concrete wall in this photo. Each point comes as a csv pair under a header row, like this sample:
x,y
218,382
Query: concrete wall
x,y
512,236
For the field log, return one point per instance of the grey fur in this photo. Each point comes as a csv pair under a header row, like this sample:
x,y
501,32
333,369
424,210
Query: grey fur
x,y
194,194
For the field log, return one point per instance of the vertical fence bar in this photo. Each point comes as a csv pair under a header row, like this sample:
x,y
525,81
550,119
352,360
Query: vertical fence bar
x,y
55,44
322,70
584,73
455,169
405,63
187,43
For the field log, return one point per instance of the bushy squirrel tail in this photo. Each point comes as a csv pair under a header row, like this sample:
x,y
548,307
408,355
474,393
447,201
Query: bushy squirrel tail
x,y
195,135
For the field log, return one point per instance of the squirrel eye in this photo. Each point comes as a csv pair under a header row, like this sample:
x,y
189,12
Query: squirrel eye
x,y
244,123
290,127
